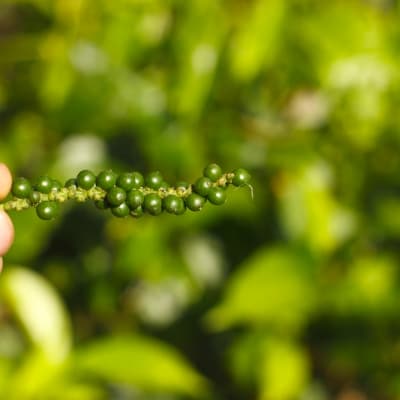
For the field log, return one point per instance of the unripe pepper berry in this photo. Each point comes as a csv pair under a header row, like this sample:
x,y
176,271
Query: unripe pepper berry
x,y
70,182
86,179
21,188
174,204
138,212
217,196
106,179
134,199
44,184
55,185
241,177
152,204
126,181
116,196
195,202
154,180
47,210
202,186
138,179
121,211
34,197
213,172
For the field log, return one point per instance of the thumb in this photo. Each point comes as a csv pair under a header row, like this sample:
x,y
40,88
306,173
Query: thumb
x,y
6,232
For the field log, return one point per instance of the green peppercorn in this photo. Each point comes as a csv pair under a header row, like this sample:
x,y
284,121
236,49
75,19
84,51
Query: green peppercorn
x,y
217,196
164,186
44,184
106,179
174,205
138,180
182,185
70,182
138,212
102,204
47,210
195,202
134,199
202,186
116,196
152,204
241,177
34,197
154,180
126,181
121,211
213,172
21,188
55,185
86,179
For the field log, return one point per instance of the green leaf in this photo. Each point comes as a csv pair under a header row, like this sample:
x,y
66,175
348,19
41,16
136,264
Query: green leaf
x,y
45,321
40,311
256,44
140,361
285,370
276,286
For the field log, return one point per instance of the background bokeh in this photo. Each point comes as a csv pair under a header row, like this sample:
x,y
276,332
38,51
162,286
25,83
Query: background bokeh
x,y
294,294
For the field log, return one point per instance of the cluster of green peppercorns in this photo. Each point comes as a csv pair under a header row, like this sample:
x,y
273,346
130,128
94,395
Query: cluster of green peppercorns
x,y
129,193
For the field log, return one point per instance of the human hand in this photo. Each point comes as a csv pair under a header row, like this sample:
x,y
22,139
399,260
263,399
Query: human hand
x,y
6,226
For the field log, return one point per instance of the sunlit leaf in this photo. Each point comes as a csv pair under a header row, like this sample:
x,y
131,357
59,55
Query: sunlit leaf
x,y
42,315
139,361
275,287
285,370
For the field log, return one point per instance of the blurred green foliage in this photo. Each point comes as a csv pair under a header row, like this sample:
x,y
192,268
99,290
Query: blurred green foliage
x,y
292,295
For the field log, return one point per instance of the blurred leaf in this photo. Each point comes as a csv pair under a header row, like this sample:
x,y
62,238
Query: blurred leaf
x,y
40,311
285,370
42,315
309,210
275,286
367,287
256,43
139,361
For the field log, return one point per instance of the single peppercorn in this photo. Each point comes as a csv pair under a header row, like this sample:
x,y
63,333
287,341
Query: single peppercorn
x,y
137,212
86,179
47,210
154,180
102,204
55,185
21,188
70,182
138,180
116,196
182,185
213,172
126,181
202,186
121,211
217,196
34,197
44,184
152,204
241,177
195,202
174,204
164,186
106,179
134,199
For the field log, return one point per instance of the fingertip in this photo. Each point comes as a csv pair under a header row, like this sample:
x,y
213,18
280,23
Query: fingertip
x,y
5,180
6,233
